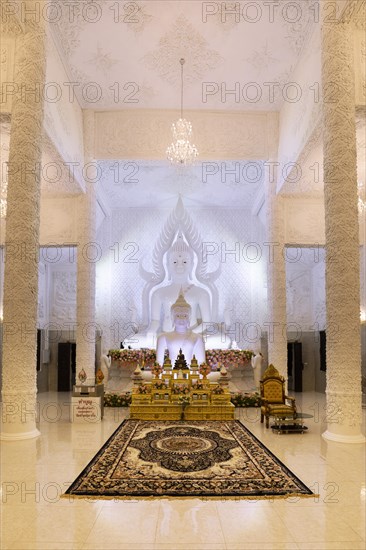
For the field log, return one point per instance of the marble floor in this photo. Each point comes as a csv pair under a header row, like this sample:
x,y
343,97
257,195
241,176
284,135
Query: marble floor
x,y
34,473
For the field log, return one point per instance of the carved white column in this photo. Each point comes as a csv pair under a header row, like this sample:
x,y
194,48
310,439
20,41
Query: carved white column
x,y
276,269
22,238
87,257
342,237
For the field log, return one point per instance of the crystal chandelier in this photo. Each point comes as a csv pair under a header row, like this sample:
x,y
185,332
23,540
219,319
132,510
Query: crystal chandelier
x,y
182,151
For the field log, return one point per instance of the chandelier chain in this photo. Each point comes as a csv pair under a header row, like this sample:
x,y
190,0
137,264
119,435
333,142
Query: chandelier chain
x,y
182,151
182,61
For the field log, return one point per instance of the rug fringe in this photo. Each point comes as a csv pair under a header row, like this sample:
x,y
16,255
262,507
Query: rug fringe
x,y
192,497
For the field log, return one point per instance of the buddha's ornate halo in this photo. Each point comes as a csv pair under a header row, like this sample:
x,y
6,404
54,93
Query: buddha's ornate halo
x,y
179,220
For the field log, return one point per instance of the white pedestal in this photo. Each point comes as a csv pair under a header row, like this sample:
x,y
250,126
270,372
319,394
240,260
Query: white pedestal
x,y
86,409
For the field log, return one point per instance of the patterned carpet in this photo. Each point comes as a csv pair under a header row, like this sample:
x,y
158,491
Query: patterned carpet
x,y
185,459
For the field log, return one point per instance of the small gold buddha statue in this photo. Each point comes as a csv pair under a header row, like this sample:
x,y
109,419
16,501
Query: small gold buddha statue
x,y
167,365
194,364
180,362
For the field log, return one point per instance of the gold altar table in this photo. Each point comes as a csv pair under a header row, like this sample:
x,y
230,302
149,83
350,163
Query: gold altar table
x,y
201,400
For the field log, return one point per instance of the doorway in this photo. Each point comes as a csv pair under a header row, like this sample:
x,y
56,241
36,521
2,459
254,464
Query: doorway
x,y
294,366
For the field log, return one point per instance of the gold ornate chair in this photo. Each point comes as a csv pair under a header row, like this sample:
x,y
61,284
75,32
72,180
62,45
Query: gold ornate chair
x,y
274,401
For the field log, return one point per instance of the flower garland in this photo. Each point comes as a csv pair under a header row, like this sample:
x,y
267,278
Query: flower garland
x,y
229,357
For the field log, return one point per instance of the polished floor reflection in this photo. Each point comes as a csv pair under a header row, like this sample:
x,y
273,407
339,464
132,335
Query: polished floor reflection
x,y
36,472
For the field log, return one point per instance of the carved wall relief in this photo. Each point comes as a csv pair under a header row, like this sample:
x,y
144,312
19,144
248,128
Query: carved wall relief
x,y
299,299
63,296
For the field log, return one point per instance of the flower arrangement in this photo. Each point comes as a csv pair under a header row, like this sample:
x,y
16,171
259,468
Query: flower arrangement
x,y
184,400
229,357
115,354
204,369
180,389
117,400
218,390
198,386
133,355
157,369
143,389
159,385
148,355
246,399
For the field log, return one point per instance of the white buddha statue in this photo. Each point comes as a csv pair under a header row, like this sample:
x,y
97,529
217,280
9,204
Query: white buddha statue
x,y
182,337
179,270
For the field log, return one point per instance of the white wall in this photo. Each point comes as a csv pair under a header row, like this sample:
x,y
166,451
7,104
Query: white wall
x,y
304,221
62,113
299,118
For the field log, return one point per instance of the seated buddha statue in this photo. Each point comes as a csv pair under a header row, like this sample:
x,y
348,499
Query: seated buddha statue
x,y
180,362
182,340
179,269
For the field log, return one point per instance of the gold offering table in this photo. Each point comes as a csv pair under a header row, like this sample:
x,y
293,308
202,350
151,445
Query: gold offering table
x,y
181,395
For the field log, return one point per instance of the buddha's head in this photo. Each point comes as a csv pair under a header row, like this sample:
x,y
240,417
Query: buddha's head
x,y
180,259
181,313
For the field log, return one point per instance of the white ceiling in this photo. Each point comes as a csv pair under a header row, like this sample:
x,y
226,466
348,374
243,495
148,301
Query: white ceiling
x,y
141,43
138,45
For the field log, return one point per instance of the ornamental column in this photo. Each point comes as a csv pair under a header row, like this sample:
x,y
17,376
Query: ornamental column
x,y
22,236
342,237
87,256
276,268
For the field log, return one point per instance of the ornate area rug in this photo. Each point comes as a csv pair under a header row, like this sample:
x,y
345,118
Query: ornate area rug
x,y
185,459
